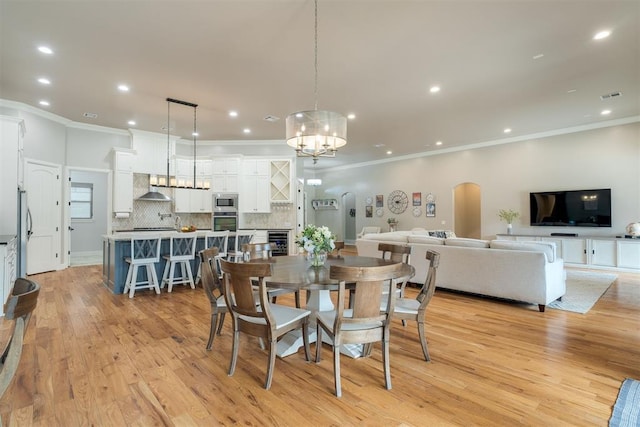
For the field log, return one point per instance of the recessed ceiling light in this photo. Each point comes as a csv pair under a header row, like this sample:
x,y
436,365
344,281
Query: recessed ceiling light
x,y
233,113
45,49
605,112
246,130
389,152
123,88
195,134
602,35
379,145
538,56
131,122
434,89
44,103
351,116
44,81
571,91
438,142
507,130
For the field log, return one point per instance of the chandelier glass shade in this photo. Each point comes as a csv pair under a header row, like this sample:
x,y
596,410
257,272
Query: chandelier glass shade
x,y
316,133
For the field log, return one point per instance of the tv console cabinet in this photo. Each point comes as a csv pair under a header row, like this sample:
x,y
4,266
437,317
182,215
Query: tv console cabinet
x,y
590,251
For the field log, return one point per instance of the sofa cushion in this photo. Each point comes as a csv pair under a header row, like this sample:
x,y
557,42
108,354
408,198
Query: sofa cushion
x,y
428,240
548,248
397,236
469,243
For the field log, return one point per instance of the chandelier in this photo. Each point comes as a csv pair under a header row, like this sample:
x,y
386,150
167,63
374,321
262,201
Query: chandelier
x,y
182,181
316,133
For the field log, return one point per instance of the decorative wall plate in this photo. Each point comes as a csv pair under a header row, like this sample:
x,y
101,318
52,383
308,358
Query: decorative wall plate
x,y
417,211
398,201
379,212
369,201
430,198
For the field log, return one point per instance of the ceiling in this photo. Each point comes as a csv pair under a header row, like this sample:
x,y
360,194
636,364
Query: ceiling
x,y
376,59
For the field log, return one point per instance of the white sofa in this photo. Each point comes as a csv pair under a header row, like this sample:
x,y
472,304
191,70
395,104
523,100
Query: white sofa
x,y
521,271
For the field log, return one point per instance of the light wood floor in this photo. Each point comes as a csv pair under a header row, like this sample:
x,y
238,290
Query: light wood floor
x,y
93,358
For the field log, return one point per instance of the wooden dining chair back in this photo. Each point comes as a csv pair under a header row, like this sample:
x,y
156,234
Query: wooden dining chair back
x,y
415,309
215,239
339,246
214,291
396,253
267,321
363,322
18,308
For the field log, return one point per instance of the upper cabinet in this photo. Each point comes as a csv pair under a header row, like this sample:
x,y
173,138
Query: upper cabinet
x,y
224,171
153,150
123,167
184,172
255,167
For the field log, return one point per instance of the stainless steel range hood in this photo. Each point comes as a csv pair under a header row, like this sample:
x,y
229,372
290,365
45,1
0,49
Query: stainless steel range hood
x,y
154,195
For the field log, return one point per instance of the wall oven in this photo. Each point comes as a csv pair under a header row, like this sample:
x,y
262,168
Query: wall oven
x,y
223,221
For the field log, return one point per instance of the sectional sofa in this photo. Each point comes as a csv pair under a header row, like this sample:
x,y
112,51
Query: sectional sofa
x,y
520,271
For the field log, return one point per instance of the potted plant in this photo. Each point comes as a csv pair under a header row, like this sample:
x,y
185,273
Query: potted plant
x,y
508,216
393,222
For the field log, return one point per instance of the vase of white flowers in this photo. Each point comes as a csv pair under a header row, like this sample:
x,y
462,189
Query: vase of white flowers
x,y
317,242
508,216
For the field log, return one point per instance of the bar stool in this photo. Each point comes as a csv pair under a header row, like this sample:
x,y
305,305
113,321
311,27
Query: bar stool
x,y
144,252
182,250
215,239
242,237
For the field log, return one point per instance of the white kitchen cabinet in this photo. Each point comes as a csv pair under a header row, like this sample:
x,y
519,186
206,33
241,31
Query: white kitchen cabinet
x,y
255,194
124,162
258,167
226,166
8,268
224,177
188,200
224,183
281,181
260,237
602,252
184,172
151,152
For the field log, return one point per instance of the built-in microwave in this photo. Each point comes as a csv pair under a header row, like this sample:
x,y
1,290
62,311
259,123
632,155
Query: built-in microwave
x,y
225,202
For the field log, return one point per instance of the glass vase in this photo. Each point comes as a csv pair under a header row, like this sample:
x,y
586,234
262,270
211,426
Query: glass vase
x,y
317,259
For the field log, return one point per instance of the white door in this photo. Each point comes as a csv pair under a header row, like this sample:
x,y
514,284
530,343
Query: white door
x,y
44,190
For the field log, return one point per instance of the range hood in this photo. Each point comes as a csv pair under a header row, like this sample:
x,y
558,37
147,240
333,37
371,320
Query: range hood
x,y
154,195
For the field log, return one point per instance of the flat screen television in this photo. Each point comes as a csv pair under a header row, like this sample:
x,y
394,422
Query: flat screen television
x,y
579,208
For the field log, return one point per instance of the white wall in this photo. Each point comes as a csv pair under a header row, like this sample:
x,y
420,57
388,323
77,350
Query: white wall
x,y
601,158
93,149
86,234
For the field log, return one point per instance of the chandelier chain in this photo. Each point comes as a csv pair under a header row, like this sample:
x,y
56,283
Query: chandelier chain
x,y
315,51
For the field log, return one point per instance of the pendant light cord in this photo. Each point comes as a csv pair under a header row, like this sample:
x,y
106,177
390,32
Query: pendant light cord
x,y
315,51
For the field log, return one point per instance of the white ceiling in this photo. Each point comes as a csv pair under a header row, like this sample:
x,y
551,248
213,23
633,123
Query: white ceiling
x,y
376,59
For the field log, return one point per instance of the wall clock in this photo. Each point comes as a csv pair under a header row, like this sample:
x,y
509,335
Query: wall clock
x,y
398,201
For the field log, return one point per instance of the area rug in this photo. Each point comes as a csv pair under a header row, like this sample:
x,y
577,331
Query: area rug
x,y
584,288
626,411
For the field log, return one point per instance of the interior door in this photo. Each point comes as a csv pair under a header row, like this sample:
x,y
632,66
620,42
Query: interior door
x,y
43,185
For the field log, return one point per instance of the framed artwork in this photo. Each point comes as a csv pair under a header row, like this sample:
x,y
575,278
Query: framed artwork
x,y
431,209
417,199
368,211
379,201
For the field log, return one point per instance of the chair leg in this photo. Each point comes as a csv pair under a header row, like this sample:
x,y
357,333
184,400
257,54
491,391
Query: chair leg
x,y
187,265
165,274
172,271
297,296
151,272
272,363
134,281
423,341
318,342
336,368
220,323
212,330
234,350
127,282
305,339
385,360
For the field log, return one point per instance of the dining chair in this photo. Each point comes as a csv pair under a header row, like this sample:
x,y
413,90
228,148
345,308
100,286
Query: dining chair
x,y
18,308
267,321
364,322
258,251
242,237
339,246
214,291
145,252
415,309
182,249
396,253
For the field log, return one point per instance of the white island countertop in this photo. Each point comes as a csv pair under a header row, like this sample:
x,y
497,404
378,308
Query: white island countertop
x,y
164,234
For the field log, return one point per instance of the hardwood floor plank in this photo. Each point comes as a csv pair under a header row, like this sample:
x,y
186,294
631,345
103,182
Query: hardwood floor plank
x,y
94,358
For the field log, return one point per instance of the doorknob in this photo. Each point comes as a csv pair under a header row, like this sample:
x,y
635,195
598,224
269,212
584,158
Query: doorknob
x,y
71,228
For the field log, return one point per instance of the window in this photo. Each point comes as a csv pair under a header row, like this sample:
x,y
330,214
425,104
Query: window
x,y
81,200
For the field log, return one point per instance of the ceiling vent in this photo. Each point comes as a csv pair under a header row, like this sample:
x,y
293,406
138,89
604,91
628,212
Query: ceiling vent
x,y
90,115
271,118
610,95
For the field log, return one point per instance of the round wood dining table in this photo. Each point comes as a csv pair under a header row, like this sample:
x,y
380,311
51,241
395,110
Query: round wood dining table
x,y
295,272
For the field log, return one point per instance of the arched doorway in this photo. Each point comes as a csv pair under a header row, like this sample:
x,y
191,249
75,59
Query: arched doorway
x,y
349,218
466,208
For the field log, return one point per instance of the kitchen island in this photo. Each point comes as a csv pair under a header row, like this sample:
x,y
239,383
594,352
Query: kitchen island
x,y
117,246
